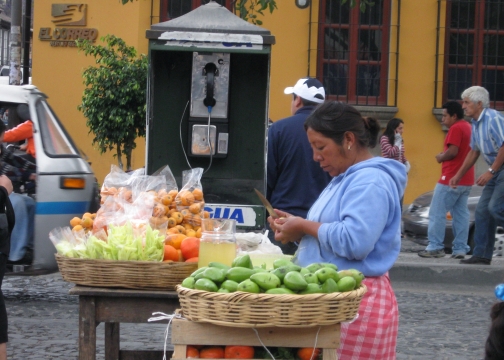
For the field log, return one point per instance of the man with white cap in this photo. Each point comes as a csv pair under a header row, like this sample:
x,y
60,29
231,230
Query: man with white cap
x,y
294,180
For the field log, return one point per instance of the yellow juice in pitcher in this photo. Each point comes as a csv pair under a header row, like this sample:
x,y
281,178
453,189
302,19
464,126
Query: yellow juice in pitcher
x,y
223,252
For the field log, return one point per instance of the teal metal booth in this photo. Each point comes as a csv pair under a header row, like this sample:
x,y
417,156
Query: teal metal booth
x,y
207,107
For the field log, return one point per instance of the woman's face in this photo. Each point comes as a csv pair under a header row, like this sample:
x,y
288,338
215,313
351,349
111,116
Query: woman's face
x,y
400,129
332,157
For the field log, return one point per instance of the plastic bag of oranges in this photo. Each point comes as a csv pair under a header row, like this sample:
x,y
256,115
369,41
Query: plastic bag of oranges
x,y
190,202
118,183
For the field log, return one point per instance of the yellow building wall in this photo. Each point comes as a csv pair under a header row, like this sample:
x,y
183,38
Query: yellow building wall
x,y
57,71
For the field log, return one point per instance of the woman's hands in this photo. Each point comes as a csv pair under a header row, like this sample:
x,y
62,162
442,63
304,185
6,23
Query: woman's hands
x,y
287,228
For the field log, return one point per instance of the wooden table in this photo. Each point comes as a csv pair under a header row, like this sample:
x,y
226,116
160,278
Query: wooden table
x,y
115,306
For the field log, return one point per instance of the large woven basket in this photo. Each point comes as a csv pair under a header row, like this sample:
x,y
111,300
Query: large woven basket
x,y
240,309
124,274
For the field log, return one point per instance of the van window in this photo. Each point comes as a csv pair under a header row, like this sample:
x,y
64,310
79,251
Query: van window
x,y
55,140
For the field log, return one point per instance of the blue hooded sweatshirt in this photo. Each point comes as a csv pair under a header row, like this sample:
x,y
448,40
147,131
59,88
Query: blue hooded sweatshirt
x,y
360,213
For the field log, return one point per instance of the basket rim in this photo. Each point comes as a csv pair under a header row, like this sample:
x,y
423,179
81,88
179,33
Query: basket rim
x,y
281,298
122,262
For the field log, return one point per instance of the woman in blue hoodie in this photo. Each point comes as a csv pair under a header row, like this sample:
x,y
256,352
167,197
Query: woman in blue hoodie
x,y
355,223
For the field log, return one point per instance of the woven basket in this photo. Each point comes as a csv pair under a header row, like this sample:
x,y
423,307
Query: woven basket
x,y
124,274
240,309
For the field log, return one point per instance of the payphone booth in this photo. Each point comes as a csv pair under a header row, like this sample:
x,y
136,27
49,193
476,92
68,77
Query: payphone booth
x,y
207,107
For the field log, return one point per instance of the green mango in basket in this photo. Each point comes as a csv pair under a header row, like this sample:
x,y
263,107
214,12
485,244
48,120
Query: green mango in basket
x,y
258,270
215,274
239,274
312,288
330,286
266,280
229,285
223,291
248,286
205,285
281,262
311,278
356,274
346,283
294,281
327,273
314,267
304,271
279,290
198,271
189,282
242,261
215,264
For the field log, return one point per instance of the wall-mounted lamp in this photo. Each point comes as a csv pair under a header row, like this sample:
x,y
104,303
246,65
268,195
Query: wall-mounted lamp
x,y
302,4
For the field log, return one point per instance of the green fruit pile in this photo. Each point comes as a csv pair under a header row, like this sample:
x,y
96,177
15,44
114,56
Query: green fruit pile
x,y
285,278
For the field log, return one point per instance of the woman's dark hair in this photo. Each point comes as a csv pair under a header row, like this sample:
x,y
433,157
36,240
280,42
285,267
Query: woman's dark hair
x,y
389,131
494,346
333,119
2,127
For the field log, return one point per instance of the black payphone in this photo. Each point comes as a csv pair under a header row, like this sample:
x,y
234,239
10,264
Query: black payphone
x,y
208,116
208,100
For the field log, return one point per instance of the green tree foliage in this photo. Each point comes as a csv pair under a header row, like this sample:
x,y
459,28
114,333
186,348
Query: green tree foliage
x,y
114,100
248,9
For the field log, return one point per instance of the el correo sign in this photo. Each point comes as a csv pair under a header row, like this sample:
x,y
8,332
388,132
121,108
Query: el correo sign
x,y
70,22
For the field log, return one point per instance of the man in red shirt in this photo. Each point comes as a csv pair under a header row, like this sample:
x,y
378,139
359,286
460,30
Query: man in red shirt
x,y
445,198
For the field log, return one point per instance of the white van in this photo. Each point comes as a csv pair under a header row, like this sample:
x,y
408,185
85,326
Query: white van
x,y
65,186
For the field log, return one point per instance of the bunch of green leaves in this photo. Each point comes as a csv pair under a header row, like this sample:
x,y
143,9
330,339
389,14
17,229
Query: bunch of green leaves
x,y
249,9
123,243
114,100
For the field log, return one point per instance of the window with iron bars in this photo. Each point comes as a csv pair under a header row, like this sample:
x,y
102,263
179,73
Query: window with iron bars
x,y
171,9
353,52
473,49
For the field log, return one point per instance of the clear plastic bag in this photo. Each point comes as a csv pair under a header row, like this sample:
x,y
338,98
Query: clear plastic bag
x,y
189,201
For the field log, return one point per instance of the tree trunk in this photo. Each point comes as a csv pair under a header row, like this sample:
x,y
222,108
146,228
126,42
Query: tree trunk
x,y
128,161
128,150
119,156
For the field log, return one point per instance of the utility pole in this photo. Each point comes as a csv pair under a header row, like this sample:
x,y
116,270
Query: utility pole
x,y
15,44
26,40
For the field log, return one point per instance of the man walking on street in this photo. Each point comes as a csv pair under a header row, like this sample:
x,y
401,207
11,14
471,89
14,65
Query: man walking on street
x,y
456,147
487,138
294,179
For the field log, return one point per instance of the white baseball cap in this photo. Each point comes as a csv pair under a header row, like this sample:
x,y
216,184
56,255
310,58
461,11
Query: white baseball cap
x,y
309,89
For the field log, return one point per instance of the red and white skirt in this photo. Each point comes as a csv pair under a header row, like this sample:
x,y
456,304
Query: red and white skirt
x,y
373,335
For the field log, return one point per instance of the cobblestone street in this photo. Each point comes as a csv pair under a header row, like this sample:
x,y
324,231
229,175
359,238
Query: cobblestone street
x,y
435,323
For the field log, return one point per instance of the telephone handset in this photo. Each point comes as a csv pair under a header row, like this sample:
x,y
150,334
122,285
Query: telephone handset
x,y
208,117
210,72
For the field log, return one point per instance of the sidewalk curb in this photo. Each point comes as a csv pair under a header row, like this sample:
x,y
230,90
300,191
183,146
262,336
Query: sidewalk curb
x,y
448,273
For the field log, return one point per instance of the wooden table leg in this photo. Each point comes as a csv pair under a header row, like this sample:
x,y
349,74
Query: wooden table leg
x,y
87,328
112,345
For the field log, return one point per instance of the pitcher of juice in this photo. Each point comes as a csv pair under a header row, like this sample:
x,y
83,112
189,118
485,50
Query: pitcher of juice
x,y
218,241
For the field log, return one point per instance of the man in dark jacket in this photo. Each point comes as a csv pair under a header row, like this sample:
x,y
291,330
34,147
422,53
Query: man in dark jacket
x,y
294,180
